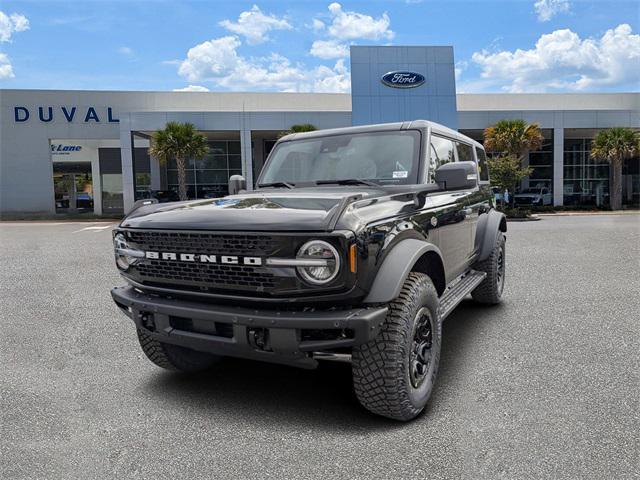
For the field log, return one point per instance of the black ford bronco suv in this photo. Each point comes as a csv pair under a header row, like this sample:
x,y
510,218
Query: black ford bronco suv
x,y
357,243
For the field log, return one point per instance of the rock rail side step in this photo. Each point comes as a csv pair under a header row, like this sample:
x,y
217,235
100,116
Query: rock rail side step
x,y
458,289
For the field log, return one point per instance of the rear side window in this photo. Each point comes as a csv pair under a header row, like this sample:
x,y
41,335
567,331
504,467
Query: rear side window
x,y
465,152
441,151
483,168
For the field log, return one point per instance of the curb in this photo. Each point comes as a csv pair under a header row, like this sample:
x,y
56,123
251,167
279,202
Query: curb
x,y
532,218
578,214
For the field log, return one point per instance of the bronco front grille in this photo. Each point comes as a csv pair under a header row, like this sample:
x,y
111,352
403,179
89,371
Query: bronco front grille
x,y
207,243
214,276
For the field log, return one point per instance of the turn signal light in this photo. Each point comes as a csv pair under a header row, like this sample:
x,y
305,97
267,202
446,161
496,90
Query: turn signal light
x,y
352,258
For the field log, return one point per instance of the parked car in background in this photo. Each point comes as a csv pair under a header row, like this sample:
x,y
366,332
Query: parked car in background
x,y
534,196
84,200
164,196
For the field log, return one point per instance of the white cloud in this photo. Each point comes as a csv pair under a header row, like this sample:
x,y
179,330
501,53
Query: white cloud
x,y
317,25
218,61
562,60
192,88
344,27
547,9
327,49
254,25
6,70
211,59
347,25
127,51
331,80
10,24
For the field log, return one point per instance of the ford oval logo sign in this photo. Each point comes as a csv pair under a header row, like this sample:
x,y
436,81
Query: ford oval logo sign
x,y
401,79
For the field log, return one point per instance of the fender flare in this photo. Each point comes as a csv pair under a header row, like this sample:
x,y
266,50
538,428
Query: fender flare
x,y
396,268
489,225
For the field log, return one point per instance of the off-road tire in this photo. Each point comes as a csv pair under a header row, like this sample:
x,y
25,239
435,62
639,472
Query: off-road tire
x,y
174,357
490,290
381,367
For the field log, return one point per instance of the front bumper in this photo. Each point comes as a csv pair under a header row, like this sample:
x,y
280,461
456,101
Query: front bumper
x,y
277,336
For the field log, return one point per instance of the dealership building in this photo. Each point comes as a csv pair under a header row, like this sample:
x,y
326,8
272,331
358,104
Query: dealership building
x,y
86,151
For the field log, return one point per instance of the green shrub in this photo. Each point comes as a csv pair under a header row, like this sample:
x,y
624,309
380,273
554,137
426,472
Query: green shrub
x,y
517,212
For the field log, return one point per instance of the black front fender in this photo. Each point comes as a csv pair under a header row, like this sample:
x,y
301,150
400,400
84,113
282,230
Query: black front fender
x,y
489,224
396,268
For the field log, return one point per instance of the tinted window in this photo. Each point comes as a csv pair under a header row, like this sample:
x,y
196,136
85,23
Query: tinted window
x,y
465,152
483,168
440,152
387,158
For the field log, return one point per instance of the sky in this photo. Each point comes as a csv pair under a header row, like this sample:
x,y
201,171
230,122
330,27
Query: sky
x,y
499,46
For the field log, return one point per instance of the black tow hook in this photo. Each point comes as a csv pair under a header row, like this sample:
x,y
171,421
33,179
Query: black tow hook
x,y
258,338
147,321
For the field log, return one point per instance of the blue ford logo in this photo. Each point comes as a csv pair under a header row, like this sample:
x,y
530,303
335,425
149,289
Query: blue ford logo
x,y
401,79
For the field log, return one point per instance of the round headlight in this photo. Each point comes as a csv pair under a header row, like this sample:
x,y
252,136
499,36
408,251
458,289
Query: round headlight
x,y
323,262
120,246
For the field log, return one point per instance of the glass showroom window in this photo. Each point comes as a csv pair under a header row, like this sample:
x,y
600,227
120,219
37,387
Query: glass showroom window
x,y
111,180
586,181
142,172
631,182
541,161
209,177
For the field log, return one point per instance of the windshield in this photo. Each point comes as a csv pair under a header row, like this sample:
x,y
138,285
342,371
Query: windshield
x,y
385,158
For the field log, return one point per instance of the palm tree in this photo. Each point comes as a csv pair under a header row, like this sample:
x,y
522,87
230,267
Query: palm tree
x,y
615,145
179,141
298,128
513,137
512,140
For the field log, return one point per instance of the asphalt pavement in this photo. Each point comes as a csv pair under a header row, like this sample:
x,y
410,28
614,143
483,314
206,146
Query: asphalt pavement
x,y
546,385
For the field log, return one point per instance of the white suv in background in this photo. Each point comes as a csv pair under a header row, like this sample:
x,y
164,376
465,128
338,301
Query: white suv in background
x,y
534,196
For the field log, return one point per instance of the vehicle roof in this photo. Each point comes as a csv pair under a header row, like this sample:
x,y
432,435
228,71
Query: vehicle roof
x,y
383,127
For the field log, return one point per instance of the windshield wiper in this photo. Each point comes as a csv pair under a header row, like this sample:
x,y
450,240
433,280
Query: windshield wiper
x,y
276,184
347,181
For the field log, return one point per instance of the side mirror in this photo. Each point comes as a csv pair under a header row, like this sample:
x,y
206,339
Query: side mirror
x,y
237,183
457,175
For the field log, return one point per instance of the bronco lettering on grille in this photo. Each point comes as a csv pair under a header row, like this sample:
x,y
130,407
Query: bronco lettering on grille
x,y
192,257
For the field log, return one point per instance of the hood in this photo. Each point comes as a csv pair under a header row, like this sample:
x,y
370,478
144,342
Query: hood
x,y
264,210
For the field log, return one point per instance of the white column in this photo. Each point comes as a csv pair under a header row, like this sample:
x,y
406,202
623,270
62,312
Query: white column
x,y
126,156
247,160
96,180
558,166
